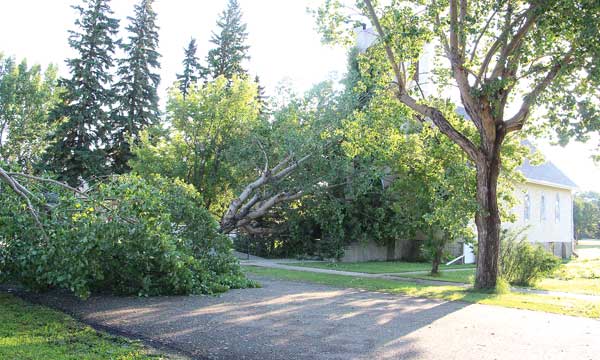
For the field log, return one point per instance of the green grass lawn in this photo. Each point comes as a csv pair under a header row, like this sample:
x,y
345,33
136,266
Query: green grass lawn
x,y
553,304
30,331
588,249
578,276
377,267
581,275
465,276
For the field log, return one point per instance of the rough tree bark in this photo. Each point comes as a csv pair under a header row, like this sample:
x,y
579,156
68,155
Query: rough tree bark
x,y
487,220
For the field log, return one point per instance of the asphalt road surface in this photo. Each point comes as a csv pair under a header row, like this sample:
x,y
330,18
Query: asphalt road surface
x,y
292,320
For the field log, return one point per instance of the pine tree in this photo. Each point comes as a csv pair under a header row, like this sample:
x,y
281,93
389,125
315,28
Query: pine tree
x,y
79,142
192,70
230,51
136,88
261,97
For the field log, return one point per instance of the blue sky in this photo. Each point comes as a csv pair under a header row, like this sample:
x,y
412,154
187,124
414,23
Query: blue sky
x,y
282,39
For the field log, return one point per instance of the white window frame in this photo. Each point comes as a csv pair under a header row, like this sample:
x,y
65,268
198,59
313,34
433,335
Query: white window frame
x,y
543,208
557,209
527,207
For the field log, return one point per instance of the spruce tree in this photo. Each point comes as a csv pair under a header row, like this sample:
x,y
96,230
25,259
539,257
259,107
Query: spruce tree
x,y
136,88
79,142
230,51
192,70
261,98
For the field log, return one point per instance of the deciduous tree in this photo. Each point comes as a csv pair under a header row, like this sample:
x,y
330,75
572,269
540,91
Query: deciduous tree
x,y
500,55
211,134
26,96
586,215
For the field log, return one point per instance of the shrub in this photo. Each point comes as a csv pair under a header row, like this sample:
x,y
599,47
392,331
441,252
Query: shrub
x,y
522,263
131,236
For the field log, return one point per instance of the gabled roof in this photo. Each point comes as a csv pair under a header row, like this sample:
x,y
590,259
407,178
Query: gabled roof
x,y
546,173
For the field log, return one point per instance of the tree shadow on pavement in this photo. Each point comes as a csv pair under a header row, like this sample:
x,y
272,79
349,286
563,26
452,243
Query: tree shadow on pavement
x,y
281,320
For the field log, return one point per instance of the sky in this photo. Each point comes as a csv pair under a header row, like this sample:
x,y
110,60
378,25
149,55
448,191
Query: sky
x,y
282,39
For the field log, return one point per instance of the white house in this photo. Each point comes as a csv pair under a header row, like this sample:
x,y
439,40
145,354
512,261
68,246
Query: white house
x,y
545,207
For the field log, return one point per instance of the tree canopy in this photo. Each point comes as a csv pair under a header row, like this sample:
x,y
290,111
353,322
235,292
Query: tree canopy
x,y
586,215
211,134
26,96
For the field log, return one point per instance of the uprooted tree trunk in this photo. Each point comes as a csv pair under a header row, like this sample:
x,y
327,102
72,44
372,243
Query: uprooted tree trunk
x,y
254,201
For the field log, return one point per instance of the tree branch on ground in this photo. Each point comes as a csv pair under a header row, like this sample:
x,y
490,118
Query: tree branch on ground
x,y
251,205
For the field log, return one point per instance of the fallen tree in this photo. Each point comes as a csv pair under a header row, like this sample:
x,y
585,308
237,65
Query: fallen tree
x,y
125,235
254,202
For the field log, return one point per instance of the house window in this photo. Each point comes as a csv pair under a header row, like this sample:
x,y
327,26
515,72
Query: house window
x,y
557,209
543,208
527,207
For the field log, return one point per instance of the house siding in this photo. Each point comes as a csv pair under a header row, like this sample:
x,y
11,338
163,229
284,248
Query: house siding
x,y
555,236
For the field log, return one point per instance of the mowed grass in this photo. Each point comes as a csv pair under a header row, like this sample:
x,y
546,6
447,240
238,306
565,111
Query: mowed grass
x,y
552,304
35,332
588,249
465,276
578,275
581,276
377,267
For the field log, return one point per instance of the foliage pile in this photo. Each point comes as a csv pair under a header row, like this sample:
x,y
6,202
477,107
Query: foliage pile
x,y
128,236
522,263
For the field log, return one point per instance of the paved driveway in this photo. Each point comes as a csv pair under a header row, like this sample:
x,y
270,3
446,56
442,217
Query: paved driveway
x,y
291,320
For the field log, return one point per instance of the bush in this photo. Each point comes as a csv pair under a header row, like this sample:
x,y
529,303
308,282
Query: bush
x,y
131,236
522,263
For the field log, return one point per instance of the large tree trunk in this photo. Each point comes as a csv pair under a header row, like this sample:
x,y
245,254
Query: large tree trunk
x,y
488,224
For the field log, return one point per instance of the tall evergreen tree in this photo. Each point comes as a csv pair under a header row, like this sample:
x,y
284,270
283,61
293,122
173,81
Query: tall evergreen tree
x,y
136,88
230,51
261,98
192,70
83,111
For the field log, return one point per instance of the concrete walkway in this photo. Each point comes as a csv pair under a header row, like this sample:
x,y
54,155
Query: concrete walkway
x,y
280,264
295,320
